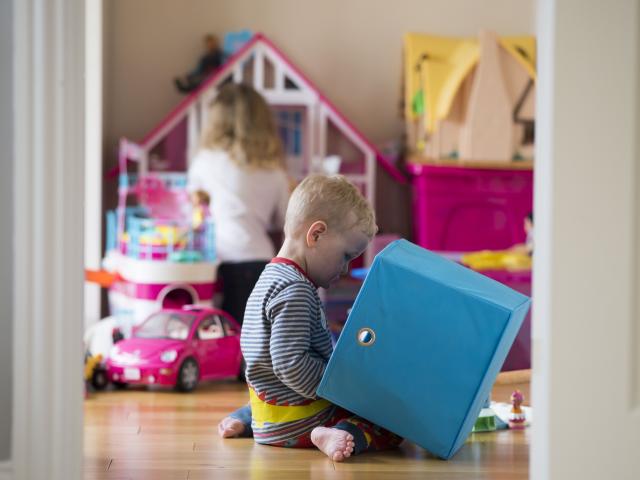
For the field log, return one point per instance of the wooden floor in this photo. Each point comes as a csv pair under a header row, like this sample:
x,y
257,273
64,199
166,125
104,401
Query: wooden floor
x,y
160,434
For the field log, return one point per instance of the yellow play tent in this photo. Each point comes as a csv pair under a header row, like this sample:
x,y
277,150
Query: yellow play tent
x,y
435,68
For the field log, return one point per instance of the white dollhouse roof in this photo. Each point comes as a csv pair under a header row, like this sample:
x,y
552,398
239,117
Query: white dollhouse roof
x,y
261,64
318,128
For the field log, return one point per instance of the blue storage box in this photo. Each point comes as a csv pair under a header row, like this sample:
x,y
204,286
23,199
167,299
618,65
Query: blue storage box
x,y
422,346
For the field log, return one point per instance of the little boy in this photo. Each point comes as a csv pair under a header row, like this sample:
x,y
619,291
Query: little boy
x,y
285,340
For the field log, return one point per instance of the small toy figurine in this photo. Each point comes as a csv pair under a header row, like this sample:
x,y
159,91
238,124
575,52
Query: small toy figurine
x,y
517,418
94,372
210,60
528,228
200,209
527,247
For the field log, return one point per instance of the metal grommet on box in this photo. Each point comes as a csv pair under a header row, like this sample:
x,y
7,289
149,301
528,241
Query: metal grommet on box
x,y
366,337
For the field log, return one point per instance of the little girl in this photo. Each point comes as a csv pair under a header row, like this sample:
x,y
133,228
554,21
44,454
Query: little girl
x,y
241,169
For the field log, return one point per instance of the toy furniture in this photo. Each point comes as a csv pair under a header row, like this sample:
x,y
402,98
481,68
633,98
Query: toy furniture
x,y
470,99
458,207
461,207
156,258
422,346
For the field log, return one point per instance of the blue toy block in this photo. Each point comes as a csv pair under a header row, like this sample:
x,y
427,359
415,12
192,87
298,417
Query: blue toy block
x,y
422,347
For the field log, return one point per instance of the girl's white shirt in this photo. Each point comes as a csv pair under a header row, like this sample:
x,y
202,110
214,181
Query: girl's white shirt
x,y
246,203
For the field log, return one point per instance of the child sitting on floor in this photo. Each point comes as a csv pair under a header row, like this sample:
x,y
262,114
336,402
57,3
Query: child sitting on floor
x,y
285,339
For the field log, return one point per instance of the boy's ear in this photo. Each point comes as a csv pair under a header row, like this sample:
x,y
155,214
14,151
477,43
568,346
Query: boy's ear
x,y
316,230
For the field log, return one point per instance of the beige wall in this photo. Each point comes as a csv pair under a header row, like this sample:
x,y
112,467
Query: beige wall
x,y
351,49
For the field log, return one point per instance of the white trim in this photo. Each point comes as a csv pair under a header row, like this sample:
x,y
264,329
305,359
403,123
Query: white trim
x,y
278,75
321,144
237,72
290,97
193,130
348,132
585,245
148,271
6,470
48,262
542,260
258,68
178,286
93,155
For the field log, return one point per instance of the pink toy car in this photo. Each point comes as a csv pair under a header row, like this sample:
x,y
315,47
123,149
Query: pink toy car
x,y
178,348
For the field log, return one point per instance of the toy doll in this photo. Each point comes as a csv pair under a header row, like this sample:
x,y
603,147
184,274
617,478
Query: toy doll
x,y
199,209
517,418
211,60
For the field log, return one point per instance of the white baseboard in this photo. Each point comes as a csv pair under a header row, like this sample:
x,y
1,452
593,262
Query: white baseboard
x,y
6,470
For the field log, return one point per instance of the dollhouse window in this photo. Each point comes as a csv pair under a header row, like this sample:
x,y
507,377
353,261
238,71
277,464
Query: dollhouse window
x,y
290,130
210,328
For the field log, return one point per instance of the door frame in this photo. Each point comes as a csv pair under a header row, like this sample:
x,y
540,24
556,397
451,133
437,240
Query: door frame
x,y
586,315
48,234
48,109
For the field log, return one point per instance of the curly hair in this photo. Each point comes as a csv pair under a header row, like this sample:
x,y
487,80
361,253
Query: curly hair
x,y
241,123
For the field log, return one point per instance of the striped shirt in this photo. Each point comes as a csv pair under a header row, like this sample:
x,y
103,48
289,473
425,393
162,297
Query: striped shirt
x,y
286,345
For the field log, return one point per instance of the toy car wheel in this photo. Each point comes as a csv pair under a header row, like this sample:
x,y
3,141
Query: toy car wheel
x,y
99,380
243,367
188,375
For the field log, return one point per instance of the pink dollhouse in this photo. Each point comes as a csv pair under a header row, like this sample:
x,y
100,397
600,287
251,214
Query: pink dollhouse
x,y
157,258
316,136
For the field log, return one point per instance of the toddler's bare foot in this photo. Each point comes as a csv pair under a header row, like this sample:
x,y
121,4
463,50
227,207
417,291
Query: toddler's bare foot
x,y
336,444
230,427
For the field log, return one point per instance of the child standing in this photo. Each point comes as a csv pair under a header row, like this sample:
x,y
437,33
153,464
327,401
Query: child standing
x,y
240,168
285,339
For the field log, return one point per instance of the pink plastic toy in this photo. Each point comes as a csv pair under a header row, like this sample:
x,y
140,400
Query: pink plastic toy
x,y
155,256
178,348
519,357
462,209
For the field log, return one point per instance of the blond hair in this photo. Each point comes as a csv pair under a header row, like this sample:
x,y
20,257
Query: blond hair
x,y
329,199
241,123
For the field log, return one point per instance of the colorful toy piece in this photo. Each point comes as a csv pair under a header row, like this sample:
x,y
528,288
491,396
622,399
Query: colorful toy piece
x,y
155,256
178,348
517,419
94,372
422,347
487,420
497,260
